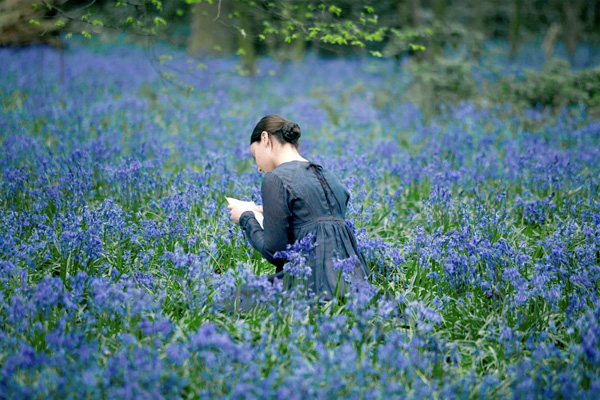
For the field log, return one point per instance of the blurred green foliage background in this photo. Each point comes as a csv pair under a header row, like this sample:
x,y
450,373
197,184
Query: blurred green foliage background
x,y
441,40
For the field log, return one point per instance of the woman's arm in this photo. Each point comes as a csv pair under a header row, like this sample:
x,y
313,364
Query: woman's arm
x,y
277,215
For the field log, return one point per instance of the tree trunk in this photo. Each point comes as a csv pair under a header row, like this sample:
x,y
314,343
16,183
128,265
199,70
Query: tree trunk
x,y
415,12
477,15
208,34
591,13
246,49
416,21
572,26
299,46
299,49
550,40
515,27
16,28
439,9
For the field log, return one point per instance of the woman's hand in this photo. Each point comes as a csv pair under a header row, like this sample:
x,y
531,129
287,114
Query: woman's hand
x,y
237,211
258,209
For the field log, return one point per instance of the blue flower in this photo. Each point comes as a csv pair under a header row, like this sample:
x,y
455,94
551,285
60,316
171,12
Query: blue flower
x,y
297,256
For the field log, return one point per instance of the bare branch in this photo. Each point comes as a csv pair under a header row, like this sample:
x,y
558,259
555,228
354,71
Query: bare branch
x,y
65,15
218,11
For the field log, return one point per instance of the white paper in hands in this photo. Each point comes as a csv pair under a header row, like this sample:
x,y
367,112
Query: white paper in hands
x,y
247,205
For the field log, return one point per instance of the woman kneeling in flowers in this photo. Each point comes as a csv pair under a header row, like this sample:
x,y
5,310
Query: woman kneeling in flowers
x,y
300,199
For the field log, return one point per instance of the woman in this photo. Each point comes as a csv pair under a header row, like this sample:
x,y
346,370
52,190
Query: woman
x,y
299,198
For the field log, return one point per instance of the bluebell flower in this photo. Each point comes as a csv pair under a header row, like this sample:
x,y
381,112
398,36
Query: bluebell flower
x,y
345,267
297,255
177,353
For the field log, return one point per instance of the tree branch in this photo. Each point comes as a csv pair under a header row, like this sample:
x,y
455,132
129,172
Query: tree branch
x,y
69,18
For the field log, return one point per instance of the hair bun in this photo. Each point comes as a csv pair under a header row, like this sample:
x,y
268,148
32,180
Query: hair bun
x,y
290,132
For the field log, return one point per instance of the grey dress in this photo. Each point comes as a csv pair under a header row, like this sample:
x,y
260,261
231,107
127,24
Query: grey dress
x,y
299,198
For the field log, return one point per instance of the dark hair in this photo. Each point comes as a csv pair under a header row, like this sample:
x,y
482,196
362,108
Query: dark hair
x,y
283,129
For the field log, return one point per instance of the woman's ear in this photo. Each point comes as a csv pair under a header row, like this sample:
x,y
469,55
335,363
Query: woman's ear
x,y
264,137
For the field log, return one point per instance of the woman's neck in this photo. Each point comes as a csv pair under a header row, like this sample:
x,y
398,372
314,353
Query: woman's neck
x,y
287,154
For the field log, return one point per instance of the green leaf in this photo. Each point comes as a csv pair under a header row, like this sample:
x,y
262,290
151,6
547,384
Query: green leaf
x,y
416,46
33,22
158,21
376,53
97,23
376,36
129,20
261,36
34,6
241,52
335,10
313,32
59,24
179,12
86,34
334,39
68,36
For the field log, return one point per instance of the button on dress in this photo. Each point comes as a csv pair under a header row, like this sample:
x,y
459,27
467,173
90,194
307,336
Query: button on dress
x,y
301,198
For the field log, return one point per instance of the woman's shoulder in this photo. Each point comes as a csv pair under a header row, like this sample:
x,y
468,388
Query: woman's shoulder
x,y
287,174
278,176
288,169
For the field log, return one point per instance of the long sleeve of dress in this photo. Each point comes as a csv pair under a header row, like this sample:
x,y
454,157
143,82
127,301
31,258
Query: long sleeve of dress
x,y
277,215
